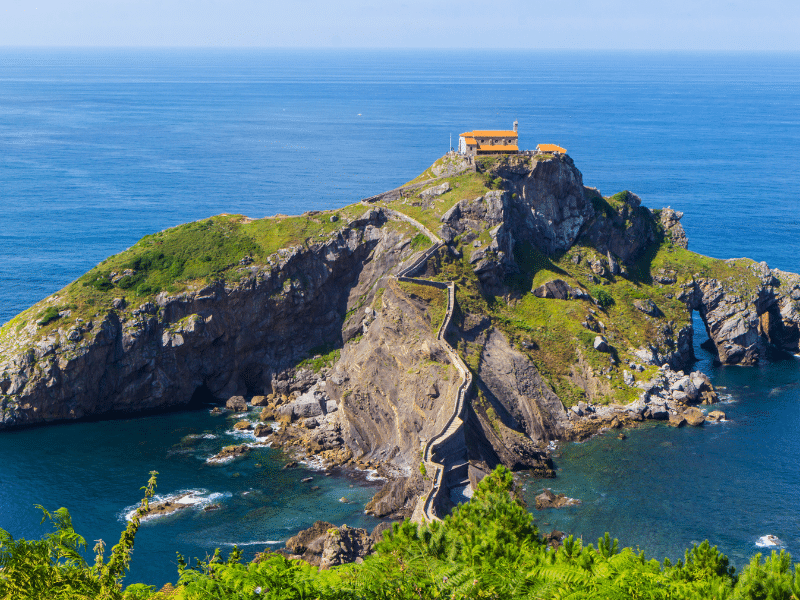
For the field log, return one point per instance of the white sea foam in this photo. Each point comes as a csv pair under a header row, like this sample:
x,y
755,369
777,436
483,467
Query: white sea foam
x,y
241,433
372,475
314,463
209,436
265,543
769,541
195,498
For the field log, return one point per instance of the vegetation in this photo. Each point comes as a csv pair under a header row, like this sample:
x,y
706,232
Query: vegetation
x,y
321,357
435,299
48,316
488,548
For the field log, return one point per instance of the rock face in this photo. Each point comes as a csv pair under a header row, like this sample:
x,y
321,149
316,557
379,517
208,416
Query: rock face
x,y
670,219
220,341
551,205
624,233
747,319
381,382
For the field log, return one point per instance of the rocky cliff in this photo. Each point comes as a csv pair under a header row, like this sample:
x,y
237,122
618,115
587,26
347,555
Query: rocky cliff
x,y
572,311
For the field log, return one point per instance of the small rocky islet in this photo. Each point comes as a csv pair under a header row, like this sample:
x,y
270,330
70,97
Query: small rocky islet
x,y
353,330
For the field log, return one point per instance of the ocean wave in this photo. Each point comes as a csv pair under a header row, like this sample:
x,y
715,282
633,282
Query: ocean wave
x,y
265,543
212,460
769,541
372,475
198,498
313,463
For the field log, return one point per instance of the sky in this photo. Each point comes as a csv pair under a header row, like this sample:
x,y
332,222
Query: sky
x,y
726,25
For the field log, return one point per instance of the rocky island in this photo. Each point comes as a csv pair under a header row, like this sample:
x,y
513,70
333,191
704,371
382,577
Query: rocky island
x,y
464,320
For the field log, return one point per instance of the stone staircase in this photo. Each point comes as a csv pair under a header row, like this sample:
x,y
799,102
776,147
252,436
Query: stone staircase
x,y
444,455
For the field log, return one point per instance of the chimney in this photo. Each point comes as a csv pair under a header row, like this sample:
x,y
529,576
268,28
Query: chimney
x,y
516,125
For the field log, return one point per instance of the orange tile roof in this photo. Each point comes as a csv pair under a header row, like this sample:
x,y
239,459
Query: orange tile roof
x,y
499,148
471,141
551,148
490,133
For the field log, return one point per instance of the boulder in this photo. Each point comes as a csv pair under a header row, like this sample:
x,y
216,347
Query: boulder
x,y
694,417
435,191
237,403
259,401
262,430
557,288
267,414
716,415
243,425
601,344
677,420
648,307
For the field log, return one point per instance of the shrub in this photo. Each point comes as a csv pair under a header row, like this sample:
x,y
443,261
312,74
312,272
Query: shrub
x,y
48,316
603,298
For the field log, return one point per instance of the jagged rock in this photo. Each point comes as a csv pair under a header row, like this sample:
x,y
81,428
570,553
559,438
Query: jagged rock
x,y
309,543
377,532
229,452
236,403
670,220
716,415
344,545
648,307
259,401
243,425
547,499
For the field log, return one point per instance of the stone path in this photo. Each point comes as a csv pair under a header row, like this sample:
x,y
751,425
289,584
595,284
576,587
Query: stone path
x,y
434,465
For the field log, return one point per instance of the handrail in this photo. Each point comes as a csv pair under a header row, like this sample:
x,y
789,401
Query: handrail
x,y
445,433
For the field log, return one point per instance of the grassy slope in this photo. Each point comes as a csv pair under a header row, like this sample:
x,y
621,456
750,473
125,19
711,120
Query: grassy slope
x,y
182,258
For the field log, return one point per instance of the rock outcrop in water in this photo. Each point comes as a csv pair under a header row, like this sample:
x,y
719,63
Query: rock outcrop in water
x,y
306,316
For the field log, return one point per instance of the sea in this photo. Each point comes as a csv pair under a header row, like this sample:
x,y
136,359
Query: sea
x,y
99,147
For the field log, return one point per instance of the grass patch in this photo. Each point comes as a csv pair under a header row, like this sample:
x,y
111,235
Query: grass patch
x,y
434,298
420,242
321,357
48,316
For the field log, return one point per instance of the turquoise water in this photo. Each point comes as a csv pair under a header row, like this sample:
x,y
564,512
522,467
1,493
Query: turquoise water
x,y
663,489
100,147
96,470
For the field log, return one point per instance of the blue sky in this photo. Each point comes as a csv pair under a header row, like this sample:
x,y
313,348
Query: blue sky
x,y
469,24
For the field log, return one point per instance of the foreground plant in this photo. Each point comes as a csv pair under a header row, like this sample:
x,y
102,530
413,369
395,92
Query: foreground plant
x,y
54,567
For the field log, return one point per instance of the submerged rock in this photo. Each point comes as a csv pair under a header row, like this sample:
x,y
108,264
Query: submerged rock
x,y
547,499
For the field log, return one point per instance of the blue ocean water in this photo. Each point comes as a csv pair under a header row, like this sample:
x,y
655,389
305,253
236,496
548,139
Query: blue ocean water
x,y
100,147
